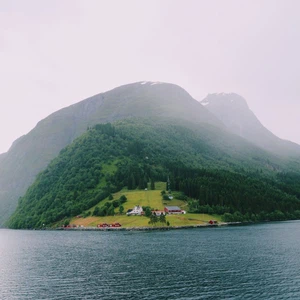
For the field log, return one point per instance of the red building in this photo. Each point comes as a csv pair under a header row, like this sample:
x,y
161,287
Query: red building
x,y
102,225
116,224
213,222
173,210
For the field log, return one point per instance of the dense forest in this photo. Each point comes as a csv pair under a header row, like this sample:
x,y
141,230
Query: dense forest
x,y
248,185
247,196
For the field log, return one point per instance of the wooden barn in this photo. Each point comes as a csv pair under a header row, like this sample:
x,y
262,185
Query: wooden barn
x,y
173,210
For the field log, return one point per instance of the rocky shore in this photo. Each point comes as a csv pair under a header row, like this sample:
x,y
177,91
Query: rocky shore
x,y
148,228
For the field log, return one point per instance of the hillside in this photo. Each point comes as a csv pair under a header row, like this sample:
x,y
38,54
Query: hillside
x,y
233,111
217,168
2,155
201,129
31,153
143,198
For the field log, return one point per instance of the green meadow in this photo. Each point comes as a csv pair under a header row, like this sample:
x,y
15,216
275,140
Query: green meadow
x,y
152,198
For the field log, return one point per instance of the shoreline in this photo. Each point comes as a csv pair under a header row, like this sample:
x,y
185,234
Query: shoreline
x,y
148,228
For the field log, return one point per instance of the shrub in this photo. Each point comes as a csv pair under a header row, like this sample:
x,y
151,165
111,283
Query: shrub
x,y
123,199
165,197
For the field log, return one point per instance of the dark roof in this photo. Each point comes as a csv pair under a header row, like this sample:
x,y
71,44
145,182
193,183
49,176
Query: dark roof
x,y
173,208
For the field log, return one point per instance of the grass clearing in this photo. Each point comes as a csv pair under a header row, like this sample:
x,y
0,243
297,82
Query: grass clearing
x,y
110,169
191,219
124,220
141,221
142,198
150,198
147,197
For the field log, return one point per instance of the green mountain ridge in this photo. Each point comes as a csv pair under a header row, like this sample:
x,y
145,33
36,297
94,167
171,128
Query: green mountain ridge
x,y
133,152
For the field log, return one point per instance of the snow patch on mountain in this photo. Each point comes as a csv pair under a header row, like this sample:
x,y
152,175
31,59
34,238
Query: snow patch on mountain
x,y
151,82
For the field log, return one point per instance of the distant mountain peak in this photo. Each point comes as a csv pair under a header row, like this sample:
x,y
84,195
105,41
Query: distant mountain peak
x,y
225,99
233,110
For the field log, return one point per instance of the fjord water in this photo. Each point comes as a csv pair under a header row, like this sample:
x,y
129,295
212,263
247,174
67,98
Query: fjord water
x,y
246,262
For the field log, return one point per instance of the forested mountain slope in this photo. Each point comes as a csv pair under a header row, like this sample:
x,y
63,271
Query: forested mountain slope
x,y
233,111
218,168
31,153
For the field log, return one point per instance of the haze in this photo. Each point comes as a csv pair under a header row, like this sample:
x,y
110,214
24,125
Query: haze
x,y
56,53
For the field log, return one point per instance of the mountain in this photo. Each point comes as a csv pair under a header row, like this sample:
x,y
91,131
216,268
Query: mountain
x,y
233,111
153,101
224,172
31,153
2,155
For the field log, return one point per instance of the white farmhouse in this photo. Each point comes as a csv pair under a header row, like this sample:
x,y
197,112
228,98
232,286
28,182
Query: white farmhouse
x,y
137,211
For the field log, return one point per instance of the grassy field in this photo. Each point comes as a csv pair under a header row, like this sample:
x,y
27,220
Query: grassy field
x,y
141,221
150,198
142,198
107,169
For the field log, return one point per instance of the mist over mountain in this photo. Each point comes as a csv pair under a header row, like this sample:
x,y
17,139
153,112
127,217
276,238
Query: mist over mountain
x,y
31,153
2,156
232,109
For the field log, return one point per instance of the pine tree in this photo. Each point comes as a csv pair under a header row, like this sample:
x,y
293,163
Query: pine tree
x,y
152,185
162,219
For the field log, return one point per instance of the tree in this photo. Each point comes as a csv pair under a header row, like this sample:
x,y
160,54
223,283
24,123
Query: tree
x,y
96,211
131,185
148,212
152,184
123,199
166,197
227,217
162,218
115,203
141,183
153,220
121,209
103,211
111,211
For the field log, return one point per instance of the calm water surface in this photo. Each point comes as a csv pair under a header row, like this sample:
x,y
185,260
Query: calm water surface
x,y
247,262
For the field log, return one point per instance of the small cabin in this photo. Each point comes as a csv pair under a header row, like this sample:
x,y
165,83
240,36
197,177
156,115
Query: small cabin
x,y
212,222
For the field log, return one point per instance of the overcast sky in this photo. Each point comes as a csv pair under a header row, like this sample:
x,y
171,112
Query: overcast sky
x,y
55,53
